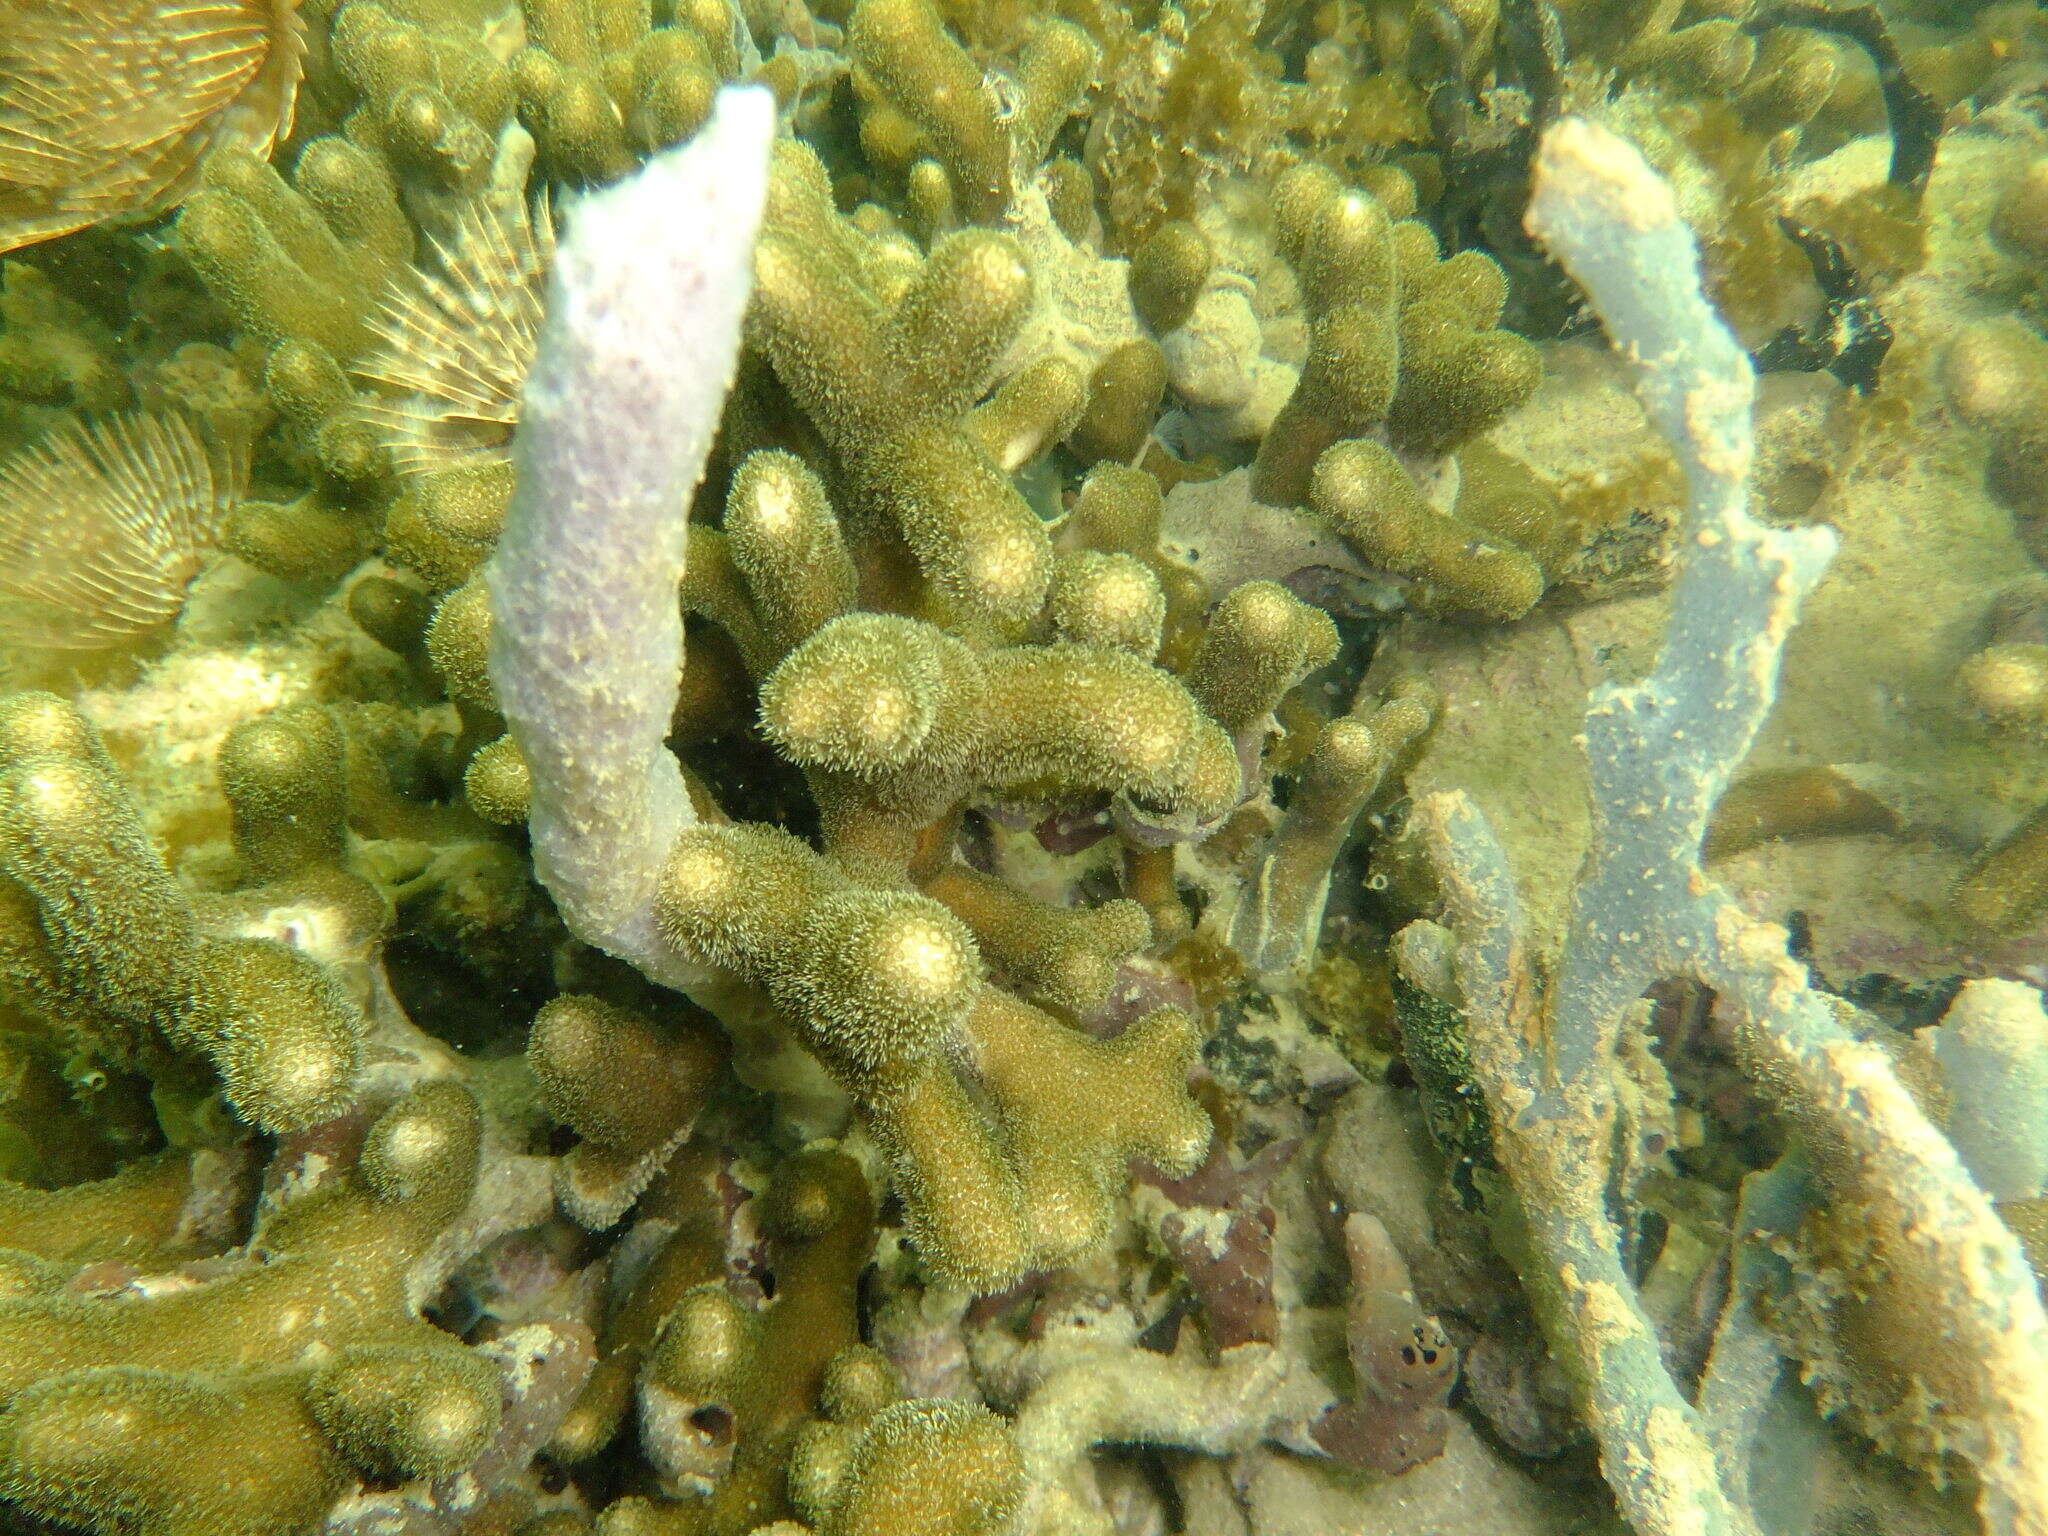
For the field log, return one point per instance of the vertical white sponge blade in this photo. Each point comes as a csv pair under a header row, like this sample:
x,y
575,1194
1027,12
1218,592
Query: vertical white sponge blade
x,y
638,349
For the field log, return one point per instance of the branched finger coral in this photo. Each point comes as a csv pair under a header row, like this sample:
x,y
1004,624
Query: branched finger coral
x,y
929,80
886,353
434,94
1403,350
300,265
897,720
630,1089
105,943
1364,365
290,259
726,1389
804,874
305,1359
1281,911
915,1465
1006,1130
883,987
599,86
1364,494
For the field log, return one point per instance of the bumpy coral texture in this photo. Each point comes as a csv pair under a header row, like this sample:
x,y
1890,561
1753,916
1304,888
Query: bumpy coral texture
x,y
1158,465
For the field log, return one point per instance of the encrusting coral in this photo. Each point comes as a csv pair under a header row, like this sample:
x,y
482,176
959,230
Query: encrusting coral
x,y
744,789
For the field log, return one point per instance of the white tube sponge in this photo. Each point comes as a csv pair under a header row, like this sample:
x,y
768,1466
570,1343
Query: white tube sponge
x,y
1659,753
636,354
1992,1049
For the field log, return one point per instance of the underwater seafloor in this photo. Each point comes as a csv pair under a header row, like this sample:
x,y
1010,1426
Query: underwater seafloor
x,y
1301,879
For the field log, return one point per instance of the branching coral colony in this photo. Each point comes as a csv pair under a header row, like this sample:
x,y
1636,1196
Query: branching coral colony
x,y
891,842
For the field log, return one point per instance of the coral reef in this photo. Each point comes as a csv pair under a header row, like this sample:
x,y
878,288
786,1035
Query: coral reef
x,y
99,1379
912,768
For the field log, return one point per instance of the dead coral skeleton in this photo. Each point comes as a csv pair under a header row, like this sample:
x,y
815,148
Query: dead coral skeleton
x,y
107,107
